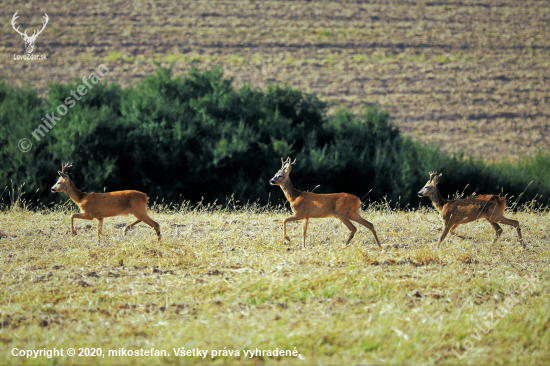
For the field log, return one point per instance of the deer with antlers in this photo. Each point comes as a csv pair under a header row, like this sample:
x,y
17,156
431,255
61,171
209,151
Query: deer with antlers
x,y
308,205
462,211
101,205
29,41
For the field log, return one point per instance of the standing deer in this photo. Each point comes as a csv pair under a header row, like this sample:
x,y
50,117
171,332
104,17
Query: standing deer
x,y
29,41
101,205
308,205
462,211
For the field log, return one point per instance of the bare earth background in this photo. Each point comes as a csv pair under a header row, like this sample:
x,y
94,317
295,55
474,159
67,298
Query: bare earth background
x,y
469,75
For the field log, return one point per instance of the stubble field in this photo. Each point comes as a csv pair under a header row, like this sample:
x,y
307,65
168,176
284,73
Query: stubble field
x,y
469,75
225,280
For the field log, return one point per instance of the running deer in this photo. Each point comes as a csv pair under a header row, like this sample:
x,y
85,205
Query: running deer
x,y
101,205
462,211
307,205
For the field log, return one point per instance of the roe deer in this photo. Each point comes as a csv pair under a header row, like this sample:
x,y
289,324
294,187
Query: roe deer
x,y
462,211
101,205
307,205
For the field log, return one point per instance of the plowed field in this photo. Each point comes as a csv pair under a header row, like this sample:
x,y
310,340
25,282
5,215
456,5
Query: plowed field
x,y
469,75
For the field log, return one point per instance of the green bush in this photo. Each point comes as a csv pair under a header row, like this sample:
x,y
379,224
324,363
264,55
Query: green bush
x,y
20,113
197,137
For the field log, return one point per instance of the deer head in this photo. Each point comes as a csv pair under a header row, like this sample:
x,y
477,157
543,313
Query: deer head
x,y
283,173
29,41
431,185
63,180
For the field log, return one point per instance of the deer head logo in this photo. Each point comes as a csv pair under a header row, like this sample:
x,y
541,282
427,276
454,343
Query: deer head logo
x,y
29,41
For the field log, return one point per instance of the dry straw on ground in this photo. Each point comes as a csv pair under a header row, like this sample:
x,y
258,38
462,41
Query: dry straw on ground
x,y
225,279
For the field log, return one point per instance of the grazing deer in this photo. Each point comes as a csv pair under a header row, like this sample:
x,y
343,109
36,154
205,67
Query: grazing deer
x,y
101,205
462,211
308,205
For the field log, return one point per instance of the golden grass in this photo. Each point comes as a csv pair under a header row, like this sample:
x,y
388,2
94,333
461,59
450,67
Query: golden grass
x,y
225,279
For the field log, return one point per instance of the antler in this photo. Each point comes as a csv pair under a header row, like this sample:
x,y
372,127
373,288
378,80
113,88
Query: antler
x,y
35,35
66,166
288,161
432,175
13,25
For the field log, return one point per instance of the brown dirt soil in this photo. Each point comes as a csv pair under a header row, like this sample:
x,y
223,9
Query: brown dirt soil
x,y
469,75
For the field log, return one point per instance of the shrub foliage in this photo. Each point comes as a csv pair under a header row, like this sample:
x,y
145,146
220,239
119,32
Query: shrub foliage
x,y
197,137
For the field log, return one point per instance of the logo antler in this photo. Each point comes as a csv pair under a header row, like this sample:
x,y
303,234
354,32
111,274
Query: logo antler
x,y
24,35
29,41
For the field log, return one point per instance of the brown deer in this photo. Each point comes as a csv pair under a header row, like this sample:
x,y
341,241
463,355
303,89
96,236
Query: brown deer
x,y
101,205
462,211
308,205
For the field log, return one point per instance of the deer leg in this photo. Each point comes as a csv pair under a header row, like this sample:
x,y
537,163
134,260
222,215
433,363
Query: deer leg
x,y
498,230
290,219
99,227
142,216
357,218
350,226
514,223
446,230
128,227
460,236
451,231
304,231
83,216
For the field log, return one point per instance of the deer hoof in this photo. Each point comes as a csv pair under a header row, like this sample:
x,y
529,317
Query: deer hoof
x,y
73,232
286,238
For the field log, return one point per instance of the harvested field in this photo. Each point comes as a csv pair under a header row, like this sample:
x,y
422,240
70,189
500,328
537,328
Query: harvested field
x,y
469,75
226,280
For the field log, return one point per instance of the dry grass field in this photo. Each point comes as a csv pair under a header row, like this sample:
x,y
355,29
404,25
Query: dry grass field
x,y
224,279
470,75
